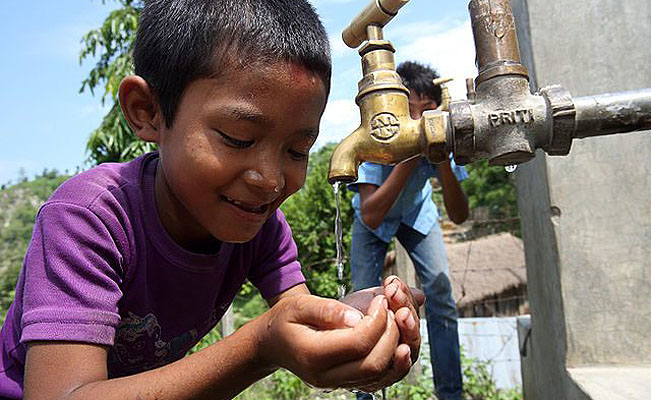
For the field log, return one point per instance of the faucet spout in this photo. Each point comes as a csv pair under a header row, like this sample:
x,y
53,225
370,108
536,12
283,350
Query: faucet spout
x,y
344,160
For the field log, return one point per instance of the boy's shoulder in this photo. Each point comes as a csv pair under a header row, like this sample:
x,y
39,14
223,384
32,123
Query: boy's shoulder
x,y
105,179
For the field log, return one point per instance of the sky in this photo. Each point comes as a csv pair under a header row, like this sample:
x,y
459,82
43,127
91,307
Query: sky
x,y
46,122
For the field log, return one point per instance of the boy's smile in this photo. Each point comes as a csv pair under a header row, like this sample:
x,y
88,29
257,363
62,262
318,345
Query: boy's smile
x,y
237,149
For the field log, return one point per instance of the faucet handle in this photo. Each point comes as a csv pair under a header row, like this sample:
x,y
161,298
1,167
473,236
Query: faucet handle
x,y
442,81
445,93
377,12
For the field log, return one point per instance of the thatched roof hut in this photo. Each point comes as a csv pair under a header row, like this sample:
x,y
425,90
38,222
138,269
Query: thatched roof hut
x,y
488,275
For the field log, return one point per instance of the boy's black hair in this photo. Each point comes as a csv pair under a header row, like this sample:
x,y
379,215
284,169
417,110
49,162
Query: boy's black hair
x,y
418,78
179,41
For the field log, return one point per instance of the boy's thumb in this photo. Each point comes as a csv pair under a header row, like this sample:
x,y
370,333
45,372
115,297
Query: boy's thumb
x,y
325,314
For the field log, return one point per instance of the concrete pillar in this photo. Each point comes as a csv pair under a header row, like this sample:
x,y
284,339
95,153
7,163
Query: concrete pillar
x,y
586,218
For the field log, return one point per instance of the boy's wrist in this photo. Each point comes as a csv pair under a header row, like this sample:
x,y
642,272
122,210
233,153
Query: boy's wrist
x,y
258,330
445,165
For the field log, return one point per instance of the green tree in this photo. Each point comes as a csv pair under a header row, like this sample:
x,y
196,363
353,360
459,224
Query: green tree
x,y
493,188
110,46
311,215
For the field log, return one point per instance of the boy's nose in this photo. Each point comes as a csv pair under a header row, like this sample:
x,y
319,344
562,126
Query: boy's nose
x,y
266,176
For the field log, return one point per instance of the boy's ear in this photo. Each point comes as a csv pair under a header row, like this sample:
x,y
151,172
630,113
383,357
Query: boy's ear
x,y
140,108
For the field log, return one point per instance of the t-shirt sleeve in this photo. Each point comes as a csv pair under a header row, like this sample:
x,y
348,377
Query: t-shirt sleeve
x,y
72,278
276,267
459,171
368,173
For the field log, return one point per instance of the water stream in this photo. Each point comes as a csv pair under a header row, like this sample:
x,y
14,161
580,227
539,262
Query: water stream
x,y
339,239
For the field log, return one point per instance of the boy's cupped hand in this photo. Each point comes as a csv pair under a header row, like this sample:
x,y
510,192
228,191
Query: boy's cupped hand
x,y
403,301
329,344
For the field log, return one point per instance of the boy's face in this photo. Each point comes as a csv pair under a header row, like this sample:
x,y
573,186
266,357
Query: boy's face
x,y
237,149
419,103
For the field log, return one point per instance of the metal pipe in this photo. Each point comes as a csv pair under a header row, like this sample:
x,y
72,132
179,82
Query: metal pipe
x,y
496,42
613,113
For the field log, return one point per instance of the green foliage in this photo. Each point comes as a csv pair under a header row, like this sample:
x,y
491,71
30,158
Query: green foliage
x,y
311,215
478,383
113,41
246,308
421,389
111,46
19,204
287,386
492,188
211,337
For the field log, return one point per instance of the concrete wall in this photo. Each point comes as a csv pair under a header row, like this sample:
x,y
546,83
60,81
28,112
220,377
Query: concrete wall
x,y
586,218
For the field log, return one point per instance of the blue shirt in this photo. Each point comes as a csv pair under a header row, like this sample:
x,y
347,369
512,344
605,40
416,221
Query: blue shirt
x,y
414,207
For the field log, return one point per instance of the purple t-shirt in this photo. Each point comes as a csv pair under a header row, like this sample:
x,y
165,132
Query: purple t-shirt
x,y
102,269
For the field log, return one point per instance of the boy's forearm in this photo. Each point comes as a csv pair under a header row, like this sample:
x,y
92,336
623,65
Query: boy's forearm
x,y
379,203
456,203
219,371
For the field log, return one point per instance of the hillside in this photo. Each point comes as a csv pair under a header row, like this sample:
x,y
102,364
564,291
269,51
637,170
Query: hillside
x,y
19,204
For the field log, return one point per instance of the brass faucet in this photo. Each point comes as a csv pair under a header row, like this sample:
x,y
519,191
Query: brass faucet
x,y
387,133
501,120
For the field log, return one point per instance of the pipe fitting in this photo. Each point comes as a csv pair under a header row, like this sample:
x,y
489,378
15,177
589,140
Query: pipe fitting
x,y
563,116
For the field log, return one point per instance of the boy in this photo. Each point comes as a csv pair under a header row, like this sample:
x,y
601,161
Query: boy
x,y
131,264
397,201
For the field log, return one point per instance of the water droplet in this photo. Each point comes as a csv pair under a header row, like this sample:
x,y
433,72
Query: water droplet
x,y
510,168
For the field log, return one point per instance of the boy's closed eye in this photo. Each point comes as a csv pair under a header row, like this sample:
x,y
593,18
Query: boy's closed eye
x,y
301,148
297,155
233,142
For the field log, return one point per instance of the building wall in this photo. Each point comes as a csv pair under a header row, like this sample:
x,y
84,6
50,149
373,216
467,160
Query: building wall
x,y
586,218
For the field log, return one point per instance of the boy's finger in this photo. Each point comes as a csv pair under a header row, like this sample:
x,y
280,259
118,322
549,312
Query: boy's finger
x,y
400,295
418,296
361,299
401,364
370,368
324,314
399,369
337,346
409,331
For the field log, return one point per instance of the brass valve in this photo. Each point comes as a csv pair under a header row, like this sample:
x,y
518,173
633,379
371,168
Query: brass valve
x,y
387,133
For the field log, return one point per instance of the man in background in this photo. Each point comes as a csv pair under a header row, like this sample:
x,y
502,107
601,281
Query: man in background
x,y
397,201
